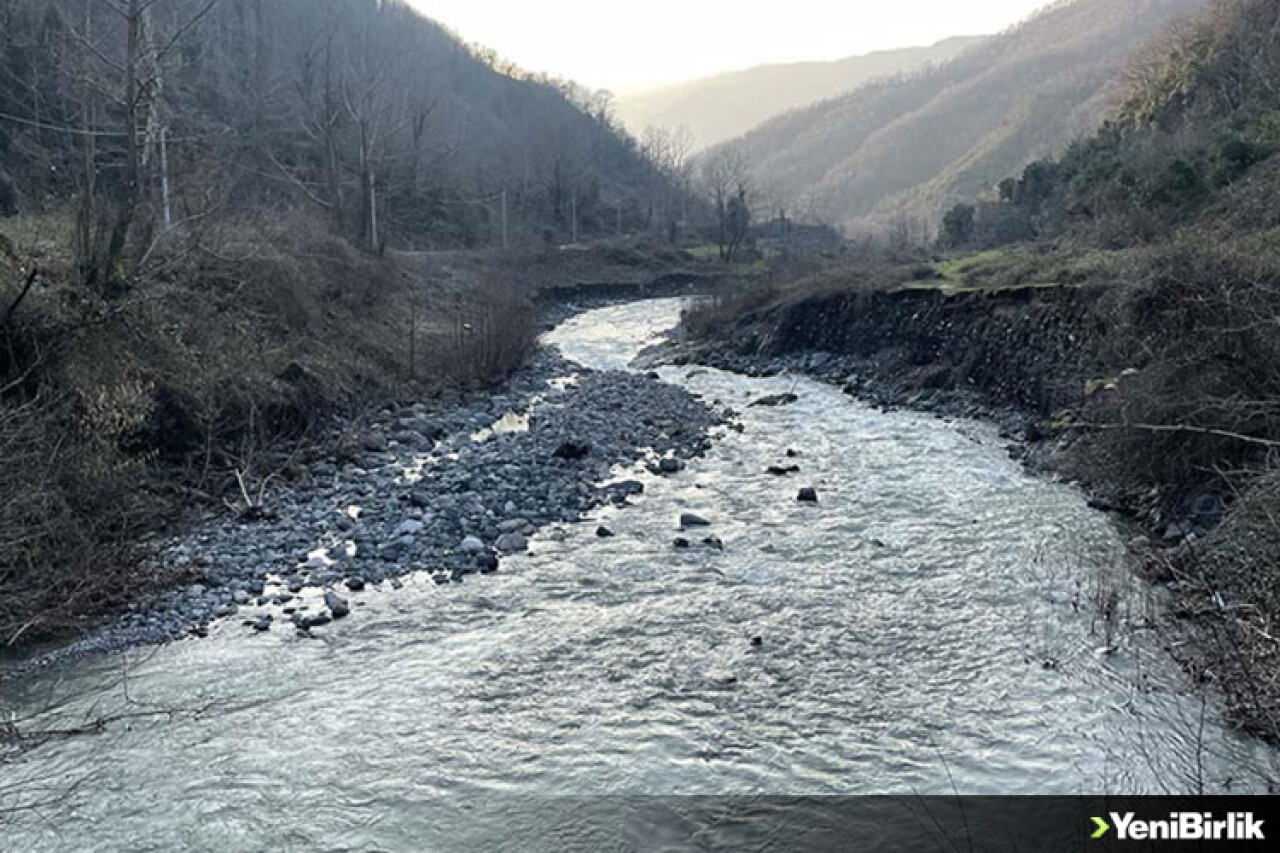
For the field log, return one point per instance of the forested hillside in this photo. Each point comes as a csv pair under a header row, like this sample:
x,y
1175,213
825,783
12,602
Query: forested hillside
x,y
906,149
1188,148
366,109
211,221
719,108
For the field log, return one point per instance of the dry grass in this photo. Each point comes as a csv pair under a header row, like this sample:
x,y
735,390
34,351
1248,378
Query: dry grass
x,y
117,418
1230,586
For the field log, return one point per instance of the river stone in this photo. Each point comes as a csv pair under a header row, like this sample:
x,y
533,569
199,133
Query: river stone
x,y
306,623
604,532
776,400
808,496
487,563
573,450
409,527
783,470
355,583
670,466
337,605
471,545
688,519
511,542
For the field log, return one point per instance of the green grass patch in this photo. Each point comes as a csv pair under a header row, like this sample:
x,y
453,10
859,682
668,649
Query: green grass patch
x,y
1017,268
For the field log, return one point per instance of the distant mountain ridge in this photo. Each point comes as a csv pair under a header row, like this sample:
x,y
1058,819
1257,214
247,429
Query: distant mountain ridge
x,y
910,147
727,105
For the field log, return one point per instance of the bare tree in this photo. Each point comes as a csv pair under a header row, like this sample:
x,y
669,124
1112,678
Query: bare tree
x,y
726,176
117,61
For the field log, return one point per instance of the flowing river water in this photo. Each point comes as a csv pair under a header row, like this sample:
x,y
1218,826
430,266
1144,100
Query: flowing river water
x,y
933,624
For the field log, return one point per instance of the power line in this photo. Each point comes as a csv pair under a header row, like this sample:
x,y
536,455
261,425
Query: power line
x,y
61,129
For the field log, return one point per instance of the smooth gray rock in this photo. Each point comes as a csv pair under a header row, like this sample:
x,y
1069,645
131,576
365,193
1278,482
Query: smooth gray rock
x,y
337,605
409,527
776,400
509,543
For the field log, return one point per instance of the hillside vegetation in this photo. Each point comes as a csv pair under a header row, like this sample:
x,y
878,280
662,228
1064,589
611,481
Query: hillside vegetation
x,y
716,109
211,224
906,149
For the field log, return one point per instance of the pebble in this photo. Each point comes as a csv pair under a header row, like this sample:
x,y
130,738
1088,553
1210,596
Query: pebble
x,y
410,527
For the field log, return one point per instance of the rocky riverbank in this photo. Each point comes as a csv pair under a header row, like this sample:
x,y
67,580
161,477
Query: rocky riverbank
x,y
449,492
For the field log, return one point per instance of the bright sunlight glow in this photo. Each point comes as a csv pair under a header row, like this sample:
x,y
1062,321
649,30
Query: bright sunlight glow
x,y
627,45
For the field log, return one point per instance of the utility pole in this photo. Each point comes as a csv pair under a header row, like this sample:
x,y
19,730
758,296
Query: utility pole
x,y
505,243
164,177
373,210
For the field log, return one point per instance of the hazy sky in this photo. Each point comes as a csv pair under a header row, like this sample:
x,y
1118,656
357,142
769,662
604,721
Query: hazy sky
x,y
625,45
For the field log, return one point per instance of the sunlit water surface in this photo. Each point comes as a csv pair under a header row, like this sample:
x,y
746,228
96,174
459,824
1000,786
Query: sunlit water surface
x,y
929,626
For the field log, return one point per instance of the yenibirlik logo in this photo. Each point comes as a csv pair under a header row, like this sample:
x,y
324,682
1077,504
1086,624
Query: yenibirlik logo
x,y
1182,826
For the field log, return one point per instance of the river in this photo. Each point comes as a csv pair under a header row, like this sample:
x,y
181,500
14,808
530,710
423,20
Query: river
x,y
933,624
